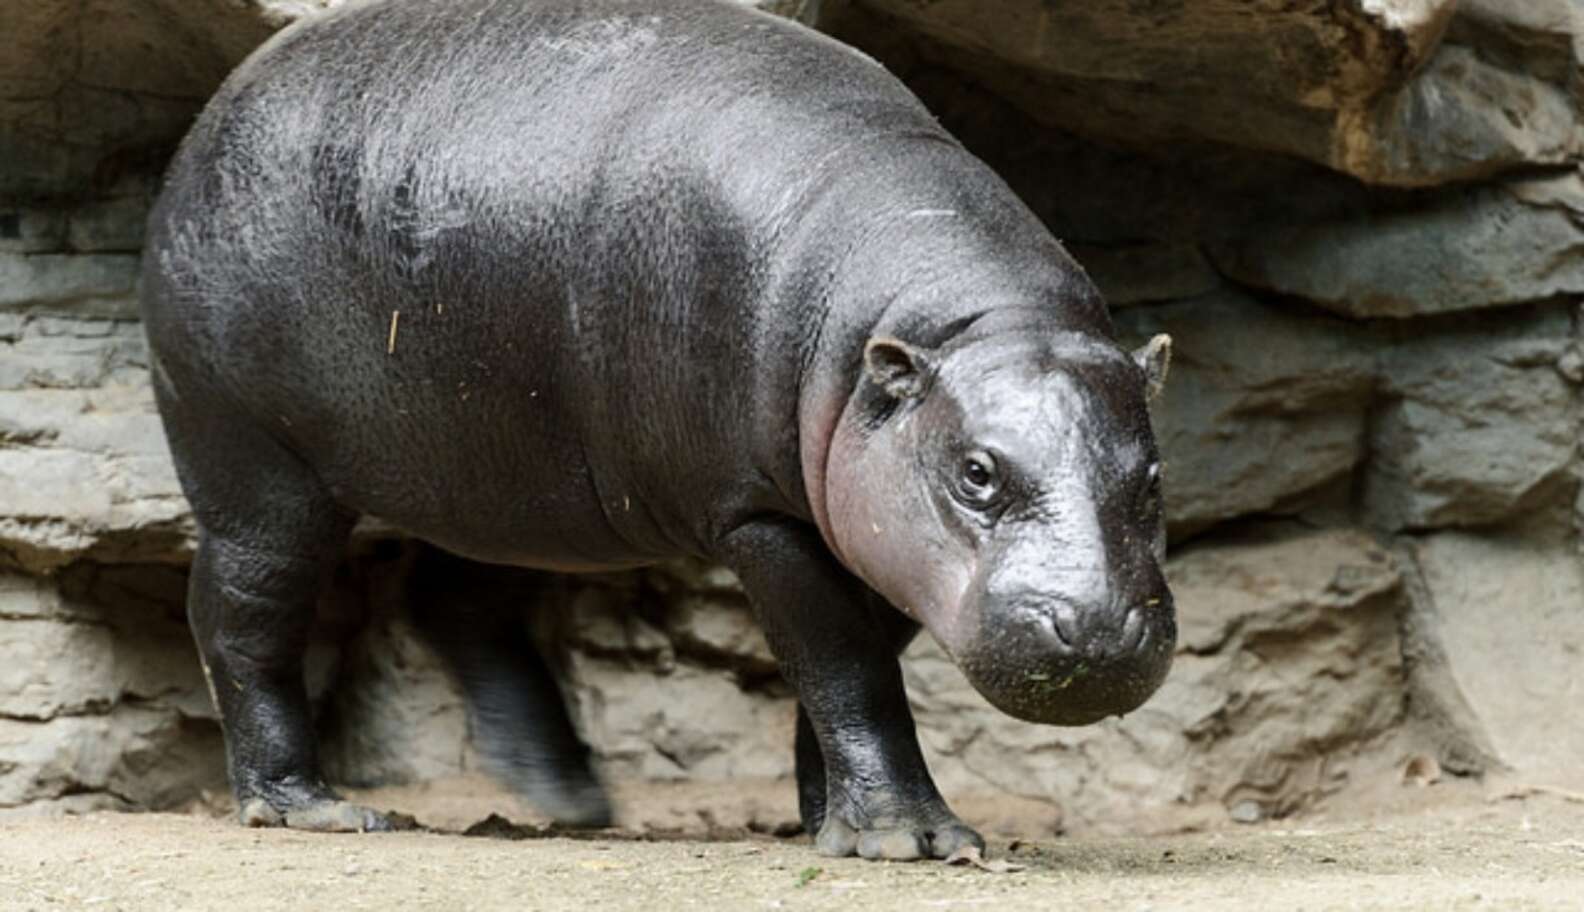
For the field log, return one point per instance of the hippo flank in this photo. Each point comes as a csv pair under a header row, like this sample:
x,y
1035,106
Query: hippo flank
x,y
588,284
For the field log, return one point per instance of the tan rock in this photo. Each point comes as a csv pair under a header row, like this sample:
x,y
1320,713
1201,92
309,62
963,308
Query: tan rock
x,y
1502,614
1294,79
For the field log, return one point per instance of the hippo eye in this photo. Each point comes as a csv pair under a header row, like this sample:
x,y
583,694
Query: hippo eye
x,y
978,482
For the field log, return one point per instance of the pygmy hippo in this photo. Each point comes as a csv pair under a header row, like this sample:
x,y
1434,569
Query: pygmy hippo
x,y
590,284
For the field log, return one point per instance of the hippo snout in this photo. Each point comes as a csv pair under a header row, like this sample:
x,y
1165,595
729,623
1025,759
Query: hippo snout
x,y
1095,634
1049,659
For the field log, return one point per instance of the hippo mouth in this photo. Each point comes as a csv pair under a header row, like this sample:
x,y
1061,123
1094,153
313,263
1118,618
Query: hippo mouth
x,y
1038,664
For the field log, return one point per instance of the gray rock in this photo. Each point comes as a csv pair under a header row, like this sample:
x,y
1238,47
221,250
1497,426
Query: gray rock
x,y
686,724
86,474
32,229
1246,811
112,224
1486,246
95,638
148,757
1147,273
94,89
101,699
1462,118
1263,403
1500,94
707,617
1477,424
55,353
719,632
1369,89
603,622
87,90
98,284
68,805
30,598
55,668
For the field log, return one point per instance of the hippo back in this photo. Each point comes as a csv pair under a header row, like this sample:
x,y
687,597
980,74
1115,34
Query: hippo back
x,y
434,246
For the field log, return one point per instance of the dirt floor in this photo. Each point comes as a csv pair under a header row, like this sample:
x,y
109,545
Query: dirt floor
x,y
1446,847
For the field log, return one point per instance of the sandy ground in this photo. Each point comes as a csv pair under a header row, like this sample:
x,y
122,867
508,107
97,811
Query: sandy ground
x,y
1449,848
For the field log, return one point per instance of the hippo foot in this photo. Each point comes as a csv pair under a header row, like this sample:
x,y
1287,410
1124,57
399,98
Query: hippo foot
x,y
318,810
321,817
562,784
896,839
582,805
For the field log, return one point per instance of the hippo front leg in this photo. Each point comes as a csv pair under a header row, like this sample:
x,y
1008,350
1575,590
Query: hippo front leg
x,y
836,642
810,759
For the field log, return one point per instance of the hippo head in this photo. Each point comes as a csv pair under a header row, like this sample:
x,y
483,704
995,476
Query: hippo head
x,y
1004,489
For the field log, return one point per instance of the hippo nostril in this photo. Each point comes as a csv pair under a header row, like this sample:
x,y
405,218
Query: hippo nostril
x,y
1133,630
1064,621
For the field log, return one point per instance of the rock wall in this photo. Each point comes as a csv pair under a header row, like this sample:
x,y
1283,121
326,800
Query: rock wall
x,y
1362,222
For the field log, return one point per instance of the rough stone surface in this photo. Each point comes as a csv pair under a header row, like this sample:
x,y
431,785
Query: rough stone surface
x,y
393,715
84,472
1507,612
1463,249
101,699
1263,403
683,723
1501,93
666,678
93,89
133,756
666,674
1476,424
1147,273
1276,77
709,620
1368,88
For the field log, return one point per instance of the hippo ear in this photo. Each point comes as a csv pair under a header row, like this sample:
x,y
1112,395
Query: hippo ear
x,y
897,367
1153,359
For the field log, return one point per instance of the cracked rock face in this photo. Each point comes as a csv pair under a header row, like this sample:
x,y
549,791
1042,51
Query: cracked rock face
x,y
101,704
1503,682
1476,426
1397,92
1264,404
1458,250
1360,220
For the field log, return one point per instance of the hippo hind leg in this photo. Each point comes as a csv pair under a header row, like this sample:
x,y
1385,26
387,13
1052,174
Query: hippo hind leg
x,y
268,537
472,615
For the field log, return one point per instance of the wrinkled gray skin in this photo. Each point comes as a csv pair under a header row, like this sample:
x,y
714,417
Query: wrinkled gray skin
x,y
674,278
